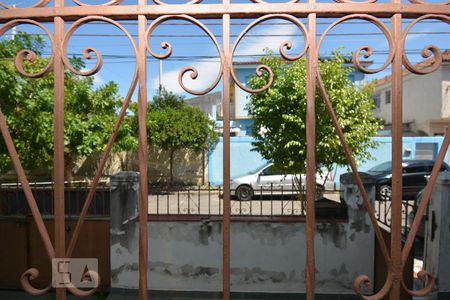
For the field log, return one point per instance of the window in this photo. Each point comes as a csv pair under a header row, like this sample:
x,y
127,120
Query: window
x,y
272,170
387,96
414,169
376,100
426,150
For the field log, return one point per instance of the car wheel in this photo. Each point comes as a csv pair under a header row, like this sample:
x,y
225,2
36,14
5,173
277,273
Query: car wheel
x,y
385,193
244,193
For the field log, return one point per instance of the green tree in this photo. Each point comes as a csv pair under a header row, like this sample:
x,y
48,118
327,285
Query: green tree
x,y
280,115
27,103
173,125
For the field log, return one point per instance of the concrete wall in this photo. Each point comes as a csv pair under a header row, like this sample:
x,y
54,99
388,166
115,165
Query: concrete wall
x,y
189,167
265,257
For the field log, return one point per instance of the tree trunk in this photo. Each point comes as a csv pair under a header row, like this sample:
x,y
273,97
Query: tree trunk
x,y
68,164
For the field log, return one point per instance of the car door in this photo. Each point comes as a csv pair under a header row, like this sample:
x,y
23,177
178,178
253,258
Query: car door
x,y
414,179
270,180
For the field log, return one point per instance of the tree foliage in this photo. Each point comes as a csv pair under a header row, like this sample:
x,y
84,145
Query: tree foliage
x,y
280,115
27,104
173,125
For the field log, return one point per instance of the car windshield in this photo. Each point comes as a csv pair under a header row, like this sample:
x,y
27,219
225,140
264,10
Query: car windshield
x,y
384,167
257,169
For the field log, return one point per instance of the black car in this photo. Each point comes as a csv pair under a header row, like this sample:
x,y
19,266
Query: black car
x,y
415,174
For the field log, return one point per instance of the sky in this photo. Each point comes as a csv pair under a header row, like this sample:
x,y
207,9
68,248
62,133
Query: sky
x,y
192,47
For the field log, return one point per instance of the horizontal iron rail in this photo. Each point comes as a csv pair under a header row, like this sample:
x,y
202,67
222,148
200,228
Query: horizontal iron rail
x,y
215,11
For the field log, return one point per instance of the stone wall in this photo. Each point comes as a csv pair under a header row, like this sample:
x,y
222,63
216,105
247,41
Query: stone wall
x,y
189,167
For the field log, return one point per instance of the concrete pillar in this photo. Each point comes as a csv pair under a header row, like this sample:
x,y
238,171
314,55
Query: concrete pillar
x,y
351,196
124,230
124,199
358,219
437,236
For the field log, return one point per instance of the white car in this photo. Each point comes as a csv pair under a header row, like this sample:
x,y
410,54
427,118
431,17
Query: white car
x,y
268,180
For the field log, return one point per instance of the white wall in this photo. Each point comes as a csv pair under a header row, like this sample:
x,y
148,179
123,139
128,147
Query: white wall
x,y
265,256
422,100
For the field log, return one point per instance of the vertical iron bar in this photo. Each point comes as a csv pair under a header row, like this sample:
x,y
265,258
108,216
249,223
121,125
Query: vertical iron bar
x,y
397,117
189,201
178,202
220,200
209,199
260,201
271,199
143,155
198,200
226,153
310,155
168,203
58,160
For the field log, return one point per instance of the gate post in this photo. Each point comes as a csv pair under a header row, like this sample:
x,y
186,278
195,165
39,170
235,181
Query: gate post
x,y
358,217
124,201
437,236
349,193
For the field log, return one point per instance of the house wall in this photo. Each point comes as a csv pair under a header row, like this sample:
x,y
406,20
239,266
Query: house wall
x,y
422,100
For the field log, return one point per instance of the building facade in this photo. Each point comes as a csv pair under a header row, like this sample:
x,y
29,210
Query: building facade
x,y
426,100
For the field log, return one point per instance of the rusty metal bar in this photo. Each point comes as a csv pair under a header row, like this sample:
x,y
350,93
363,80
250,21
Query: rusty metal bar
x,y
101,165
397,134
58,163
310,155
226,153
236,10
143,155
26,188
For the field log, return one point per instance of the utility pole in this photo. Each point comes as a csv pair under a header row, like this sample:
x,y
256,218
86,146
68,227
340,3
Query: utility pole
x,y
160,77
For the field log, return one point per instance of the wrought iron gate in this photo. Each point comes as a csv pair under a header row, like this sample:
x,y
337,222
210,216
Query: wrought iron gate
x,y
194,11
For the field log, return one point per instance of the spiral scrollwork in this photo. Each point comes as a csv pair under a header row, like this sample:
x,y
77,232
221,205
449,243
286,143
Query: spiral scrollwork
x,y
88,51
286,45
110,3
429,284
168,47
93,275
40,3
365,50
427,52
365,280
26,54
28,276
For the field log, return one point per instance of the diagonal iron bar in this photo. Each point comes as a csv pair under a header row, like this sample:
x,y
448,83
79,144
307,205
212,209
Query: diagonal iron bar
x,y
26,187
351,160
